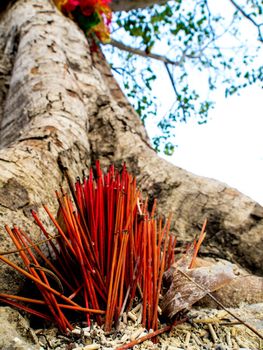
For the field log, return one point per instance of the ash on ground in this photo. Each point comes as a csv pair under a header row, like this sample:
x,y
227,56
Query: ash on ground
x,y
206,329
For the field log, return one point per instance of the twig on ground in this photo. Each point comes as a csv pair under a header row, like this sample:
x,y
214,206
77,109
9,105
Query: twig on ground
x,y
222,306
151,335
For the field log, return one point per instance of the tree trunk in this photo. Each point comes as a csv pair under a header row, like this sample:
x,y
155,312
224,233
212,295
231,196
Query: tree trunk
x,y
60,106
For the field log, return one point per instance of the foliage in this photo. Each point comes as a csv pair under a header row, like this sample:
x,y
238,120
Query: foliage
x,y
137,82
93,16
204,45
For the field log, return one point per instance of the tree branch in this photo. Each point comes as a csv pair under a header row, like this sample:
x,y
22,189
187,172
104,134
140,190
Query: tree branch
x,y
118,5
239,8
139,52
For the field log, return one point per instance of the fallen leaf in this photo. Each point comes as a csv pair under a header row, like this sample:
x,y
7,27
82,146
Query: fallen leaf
x,y
182,293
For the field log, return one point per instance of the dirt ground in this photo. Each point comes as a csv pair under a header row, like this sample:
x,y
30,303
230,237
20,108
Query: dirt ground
x,y
206,329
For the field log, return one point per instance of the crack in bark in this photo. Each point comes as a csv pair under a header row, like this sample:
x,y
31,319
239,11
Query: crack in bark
x,y
37,138
9,46
7,160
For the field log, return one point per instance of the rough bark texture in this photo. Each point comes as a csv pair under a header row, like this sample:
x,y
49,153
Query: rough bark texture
x,y
61,105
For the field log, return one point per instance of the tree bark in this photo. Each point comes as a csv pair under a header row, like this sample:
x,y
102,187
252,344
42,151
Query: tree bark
x,y
60,106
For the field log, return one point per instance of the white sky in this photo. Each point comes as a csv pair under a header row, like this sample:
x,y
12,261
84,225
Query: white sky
x,y
229,147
